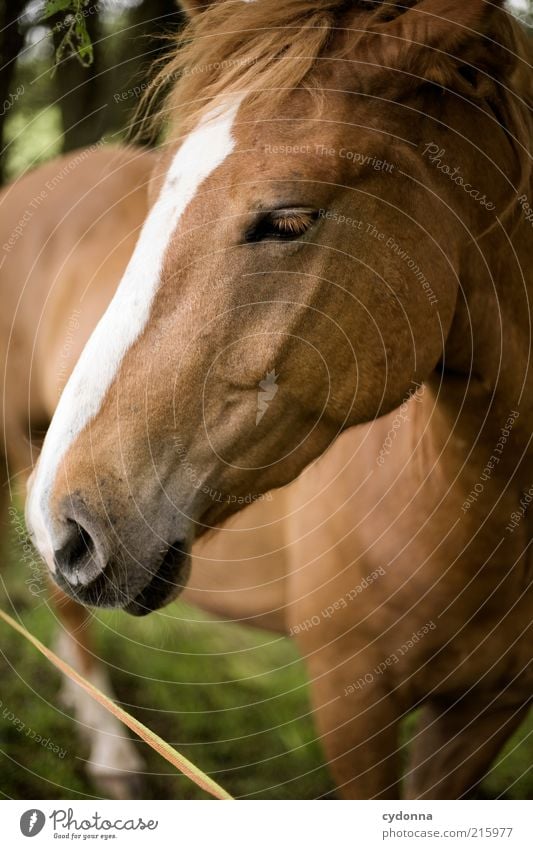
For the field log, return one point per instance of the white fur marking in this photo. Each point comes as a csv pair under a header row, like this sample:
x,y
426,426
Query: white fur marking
x,y
128,313
112,752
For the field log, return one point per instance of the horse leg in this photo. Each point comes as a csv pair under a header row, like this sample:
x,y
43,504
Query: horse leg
x,y
358,727
114,764
454,748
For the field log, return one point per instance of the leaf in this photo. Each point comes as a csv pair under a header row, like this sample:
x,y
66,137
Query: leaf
x,y
52,7
76,40
85,47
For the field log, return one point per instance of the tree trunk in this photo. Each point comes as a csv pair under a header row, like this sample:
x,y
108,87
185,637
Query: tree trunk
x,y
150,24
80,91
11,41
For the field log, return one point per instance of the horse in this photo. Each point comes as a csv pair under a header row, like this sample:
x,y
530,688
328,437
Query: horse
x,y
306,404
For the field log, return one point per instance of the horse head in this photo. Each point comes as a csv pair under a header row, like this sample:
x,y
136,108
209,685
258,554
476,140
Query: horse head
x,y
299,272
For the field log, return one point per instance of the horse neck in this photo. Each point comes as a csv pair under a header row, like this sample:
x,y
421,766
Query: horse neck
x,y
490,335
490,339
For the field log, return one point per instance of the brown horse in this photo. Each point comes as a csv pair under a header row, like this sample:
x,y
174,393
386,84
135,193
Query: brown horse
x,y
338,236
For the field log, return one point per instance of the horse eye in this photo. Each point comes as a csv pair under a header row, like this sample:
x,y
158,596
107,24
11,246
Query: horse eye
x,y
282,225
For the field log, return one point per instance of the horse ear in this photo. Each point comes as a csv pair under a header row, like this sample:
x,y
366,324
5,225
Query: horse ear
x,y
444,40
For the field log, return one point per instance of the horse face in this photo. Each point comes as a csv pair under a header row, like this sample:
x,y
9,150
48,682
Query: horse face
x,y
288,283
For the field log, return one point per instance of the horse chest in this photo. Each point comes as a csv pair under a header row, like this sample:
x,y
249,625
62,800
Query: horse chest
x,y
479,635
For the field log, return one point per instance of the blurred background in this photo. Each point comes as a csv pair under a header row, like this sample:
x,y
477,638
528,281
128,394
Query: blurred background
x,y
234,700
48,106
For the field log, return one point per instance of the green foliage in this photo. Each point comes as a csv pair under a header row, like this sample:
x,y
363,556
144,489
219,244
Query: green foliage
x,y
54,6
31,136
75,40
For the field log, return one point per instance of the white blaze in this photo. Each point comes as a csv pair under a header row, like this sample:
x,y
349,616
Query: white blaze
x,y
201,153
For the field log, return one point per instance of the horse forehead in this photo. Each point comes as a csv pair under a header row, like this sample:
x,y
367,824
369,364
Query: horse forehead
x,y
277,150
128,314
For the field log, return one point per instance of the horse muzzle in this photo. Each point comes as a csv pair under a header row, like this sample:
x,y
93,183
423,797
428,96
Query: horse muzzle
x,y
166,584
118,584
107,564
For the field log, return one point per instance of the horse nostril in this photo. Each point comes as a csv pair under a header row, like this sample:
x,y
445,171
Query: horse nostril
x,y
77,560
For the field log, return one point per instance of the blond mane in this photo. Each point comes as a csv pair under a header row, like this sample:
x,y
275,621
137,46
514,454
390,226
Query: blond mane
x,y
269,48
266,48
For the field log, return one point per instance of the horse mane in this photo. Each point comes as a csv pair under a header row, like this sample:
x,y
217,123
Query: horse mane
x,y
269,48
265,48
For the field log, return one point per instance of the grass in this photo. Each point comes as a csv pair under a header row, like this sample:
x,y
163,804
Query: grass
x,y
232,699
